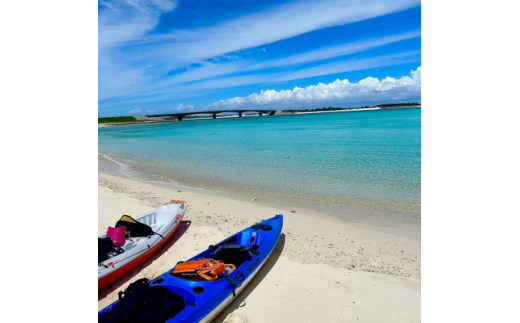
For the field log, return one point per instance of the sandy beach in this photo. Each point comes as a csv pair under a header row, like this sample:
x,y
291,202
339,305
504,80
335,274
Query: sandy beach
x,y
322,269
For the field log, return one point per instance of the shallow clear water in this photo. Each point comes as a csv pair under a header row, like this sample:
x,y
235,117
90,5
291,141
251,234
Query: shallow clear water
x,y
352,164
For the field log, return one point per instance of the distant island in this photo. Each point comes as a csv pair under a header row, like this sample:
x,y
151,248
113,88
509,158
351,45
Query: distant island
x,y
379,106
128,120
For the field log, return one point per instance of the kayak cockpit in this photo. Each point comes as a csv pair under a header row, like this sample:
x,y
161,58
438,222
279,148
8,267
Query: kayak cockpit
x,y
231,252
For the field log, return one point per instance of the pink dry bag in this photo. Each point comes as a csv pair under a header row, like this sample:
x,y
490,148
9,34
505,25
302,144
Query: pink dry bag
x,y
117,235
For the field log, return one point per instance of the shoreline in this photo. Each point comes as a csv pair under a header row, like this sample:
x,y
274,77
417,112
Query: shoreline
x,y
360,268
386,222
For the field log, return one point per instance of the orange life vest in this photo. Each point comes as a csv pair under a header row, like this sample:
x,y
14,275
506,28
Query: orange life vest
x,y
208,269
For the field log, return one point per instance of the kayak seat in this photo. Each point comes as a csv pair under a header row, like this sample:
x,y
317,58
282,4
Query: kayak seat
x,y
156,227
233,254
136,229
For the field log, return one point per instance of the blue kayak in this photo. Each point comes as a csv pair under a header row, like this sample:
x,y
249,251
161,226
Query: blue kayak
x,y
172,298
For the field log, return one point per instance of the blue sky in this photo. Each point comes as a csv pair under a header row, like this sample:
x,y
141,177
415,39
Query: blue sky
x,y
168,56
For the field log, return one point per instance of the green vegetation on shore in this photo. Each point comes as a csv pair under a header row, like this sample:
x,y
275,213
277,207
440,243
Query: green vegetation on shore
x,y
116,119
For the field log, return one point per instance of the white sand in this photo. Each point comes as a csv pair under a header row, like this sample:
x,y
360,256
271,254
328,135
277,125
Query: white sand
x,y
323,269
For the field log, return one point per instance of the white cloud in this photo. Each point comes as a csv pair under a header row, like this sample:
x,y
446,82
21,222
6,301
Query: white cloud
x,y
135,111
340,92
127,20
119,22
183,107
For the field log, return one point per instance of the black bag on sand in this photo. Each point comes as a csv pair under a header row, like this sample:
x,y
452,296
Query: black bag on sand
x,y
144,304
105,245
126,306
137,229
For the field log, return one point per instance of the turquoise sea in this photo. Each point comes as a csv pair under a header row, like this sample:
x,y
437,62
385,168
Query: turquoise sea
x,y
362,166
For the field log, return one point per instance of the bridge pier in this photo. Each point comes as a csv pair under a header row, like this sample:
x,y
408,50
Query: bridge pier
x,y
179,118
240,114
260,113
214,115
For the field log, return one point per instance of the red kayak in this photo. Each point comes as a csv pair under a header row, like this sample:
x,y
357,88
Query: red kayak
x,y
143,237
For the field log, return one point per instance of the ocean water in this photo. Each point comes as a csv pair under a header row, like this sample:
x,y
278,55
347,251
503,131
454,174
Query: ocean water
x,y
362,166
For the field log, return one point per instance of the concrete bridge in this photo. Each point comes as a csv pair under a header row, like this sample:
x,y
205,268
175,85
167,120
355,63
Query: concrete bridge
x,y
180,115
